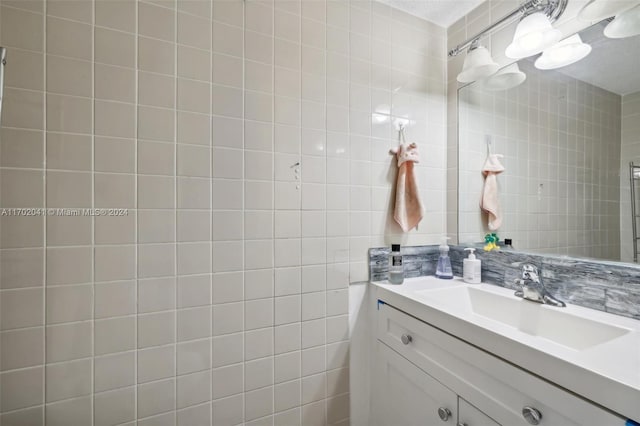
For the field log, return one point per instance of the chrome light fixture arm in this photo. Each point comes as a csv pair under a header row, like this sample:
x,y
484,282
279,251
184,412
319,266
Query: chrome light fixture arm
x,y
552,8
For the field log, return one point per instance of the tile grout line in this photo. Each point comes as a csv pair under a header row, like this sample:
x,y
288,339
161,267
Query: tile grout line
x,y
243,204
176,199
299,181
136,195
44,194
93,205
273,207
211,226
273,192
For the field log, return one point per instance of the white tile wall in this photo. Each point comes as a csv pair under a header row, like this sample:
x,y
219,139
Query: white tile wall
x,y
221,296
560,138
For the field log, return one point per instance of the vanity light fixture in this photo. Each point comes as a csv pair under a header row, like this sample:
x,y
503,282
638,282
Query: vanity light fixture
x,y
545,11
506,78
533,35
563,53
477,64
597,10
625,24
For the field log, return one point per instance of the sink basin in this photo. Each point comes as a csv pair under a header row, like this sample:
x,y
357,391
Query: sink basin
x,y
547,322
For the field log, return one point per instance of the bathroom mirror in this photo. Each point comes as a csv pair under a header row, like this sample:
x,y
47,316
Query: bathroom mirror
x,y
567,137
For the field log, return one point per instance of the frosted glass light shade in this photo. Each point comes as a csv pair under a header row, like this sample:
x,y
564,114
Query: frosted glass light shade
x,y
477,64
507,78
597,10
626,24
533,35
564,53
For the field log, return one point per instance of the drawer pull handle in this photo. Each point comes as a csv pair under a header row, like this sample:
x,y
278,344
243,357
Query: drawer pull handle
x,y
406,339
462,424
532,415
444,413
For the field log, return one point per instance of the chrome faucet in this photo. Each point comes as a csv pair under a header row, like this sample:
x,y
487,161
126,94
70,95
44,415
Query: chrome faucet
x,y
533,289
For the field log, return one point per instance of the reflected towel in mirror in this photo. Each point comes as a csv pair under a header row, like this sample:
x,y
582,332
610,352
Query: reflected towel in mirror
x,y
490,201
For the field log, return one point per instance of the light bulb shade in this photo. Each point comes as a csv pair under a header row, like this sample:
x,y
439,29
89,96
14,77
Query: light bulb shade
x,y
564,53
507,78
597,10
626,24
533,34
477,64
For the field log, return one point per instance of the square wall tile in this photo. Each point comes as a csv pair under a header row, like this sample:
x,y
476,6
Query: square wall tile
x,y
27,387
22,348
114,407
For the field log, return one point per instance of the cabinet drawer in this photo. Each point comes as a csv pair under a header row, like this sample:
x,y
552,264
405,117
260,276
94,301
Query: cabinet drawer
x,y
404,395
497,388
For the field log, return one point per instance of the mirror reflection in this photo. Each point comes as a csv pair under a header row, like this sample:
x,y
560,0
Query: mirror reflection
x,y
565,138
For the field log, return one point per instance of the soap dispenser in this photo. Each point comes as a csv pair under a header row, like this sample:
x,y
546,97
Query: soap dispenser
x,y
471,268
443,270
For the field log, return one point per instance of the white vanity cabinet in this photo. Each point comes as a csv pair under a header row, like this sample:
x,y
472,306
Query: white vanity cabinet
x,y
408,396
405,395
421,369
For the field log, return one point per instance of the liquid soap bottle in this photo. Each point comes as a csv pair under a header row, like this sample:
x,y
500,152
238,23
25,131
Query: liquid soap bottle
x,y
471,268
443,270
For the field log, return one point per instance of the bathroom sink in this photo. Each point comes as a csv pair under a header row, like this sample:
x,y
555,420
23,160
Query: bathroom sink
x,y
559,325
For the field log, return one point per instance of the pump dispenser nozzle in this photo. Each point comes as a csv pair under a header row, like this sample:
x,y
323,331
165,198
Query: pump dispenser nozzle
x,y
472,252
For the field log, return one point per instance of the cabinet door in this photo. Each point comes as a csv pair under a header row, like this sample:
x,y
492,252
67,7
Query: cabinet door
x,y
468,415
404,395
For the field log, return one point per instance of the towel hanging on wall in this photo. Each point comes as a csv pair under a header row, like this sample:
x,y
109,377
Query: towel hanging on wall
x,y
408,211
490,202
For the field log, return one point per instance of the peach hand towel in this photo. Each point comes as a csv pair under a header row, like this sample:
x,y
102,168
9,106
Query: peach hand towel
x,y
490,201
408,210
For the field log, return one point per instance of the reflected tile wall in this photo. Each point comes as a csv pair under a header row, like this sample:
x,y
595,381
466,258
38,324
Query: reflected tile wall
x,y
247,143
629,151
560,138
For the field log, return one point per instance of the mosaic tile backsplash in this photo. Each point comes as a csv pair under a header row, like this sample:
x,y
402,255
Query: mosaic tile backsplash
x,y
605,286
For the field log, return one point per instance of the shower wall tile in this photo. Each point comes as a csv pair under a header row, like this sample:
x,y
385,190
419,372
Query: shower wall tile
x,y
21,148
22,29
229,153
24,109
114,407
21,348
27,388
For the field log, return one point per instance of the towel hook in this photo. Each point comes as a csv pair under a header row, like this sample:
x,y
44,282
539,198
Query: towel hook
x,y
401,137
489,142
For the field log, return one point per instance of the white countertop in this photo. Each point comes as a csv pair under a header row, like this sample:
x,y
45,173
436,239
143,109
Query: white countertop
x,y
607,373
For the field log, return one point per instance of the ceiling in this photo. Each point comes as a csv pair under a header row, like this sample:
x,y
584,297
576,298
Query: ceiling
x,y
440,12
612,64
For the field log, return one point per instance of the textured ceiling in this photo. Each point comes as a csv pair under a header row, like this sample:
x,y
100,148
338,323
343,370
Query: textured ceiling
x,y
612,64
440,12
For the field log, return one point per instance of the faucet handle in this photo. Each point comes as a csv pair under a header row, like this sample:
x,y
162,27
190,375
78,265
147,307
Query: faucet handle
x,y
530,272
